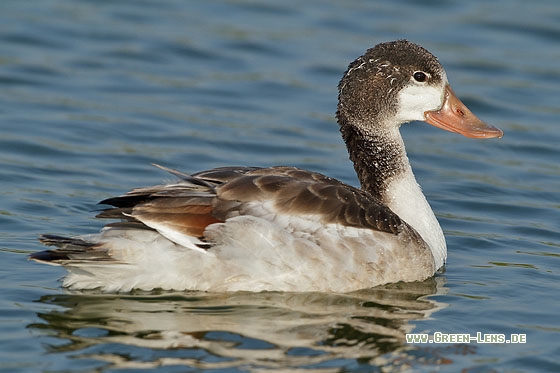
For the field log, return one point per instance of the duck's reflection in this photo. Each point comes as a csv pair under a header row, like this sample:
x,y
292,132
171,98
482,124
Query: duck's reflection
x,y
311,330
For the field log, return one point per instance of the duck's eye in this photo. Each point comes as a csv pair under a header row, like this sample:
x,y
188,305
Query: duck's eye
x,y
420,76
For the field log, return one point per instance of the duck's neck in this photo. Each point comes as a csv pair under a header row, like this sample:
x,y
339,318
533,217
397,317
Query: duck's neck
x,y
384,171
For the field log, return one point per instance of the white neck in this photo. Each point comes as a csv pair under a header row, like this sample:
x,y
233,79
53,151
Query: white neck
x,y
404,196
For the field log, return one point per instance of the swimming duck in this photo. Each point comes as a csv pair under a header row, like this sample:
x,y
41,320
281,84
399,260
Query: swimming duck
x,y
285,228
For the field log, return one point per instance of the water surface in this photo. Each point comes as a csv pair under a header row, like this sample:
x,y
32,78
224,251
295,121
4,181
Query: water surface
x,y
95,91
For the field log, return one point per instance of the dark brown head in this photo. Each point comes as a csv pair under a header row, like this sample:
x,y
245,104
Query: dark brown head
x,y
398,82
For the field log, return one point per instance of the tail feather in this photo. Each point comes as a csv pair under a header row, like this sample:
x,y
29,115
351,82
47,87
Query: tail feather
x,y
69,249
64,242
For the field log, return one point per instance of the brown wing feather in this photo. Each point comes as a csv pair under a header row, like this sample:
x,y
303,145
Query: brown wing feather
x,y
188,219
296,191
212,196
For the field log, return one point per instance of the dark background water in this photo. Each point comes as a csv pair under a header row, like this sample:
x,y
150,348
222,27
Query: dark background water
x,y
92,92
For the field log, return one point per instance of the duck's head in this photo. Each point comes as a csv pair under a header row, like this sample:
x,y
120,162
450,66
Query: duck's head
x,y
398,82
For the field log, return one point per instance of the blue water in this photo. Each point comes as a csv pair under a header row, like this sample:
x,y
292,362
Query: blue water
x,y
92,92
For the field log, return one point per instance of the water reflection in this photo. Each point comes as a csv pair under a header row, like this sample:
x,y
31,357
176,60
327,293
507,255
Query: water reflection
x,y
263,330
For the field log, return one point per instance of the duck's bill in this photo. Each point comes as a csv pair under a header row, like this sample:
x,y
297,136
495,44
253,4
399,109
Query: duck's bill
x,y
454,116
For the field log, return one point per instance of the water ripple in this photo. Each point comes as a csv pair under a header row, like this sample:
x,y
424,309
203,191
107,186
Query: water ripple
x,y
95,91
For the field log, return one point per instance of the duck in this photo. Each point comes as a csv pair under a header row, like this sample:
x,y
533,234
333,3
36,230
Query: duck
x,y
281,228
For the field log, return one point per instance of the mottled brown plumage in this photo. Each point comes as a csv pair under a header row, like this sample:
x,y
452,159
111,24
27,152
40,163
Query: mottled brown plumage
x,y
216,195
